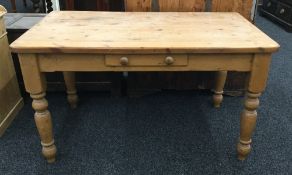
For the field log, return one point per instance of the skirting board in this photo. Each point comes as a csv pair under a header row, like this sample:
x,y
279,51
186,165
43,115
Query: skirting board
x,y
10,116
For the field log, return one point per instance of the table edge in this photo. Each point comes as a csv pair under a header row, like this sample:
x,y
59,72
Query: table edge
x,y
142,51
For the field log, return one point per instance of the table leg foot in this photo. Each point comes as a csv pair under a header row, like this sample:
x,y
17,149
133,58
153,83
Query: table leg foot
x,y
218,90
247,124
72,96
72,99
44,125
217,99
49,153
243,149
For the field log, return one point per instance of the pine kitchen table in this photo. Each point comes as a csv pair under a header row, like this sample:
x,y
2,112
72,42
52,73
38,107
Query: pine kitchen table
x,y
143,41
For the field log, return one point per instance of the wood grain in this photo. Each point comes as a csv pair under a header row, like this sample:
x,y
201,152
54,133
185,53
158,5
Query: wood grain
x,y
29,66
125,42
119,32
182,5
5,123
220,79
247,124
10,99
35,84
96,62
7,71
43,121
241,6
2,11
146,60
72,97
259,74
138,5
256,85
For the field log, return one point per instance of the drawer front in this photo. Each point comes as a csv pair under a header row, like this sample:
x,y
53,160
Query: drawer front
x,y
270,5
284,11
146,60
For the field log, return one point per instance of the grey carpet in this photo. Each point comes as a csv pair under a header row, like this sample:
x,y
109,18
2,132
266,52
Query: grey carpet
x,y
164,133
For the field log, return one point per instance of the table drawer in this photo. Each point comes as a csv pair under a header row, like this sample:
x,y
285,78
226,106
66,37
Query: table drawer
x,y
146,60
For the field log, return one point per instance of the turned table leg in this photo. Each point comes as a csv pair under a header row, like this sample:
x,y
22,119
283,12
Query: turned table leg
x,y
72,97
44,125
247,124
256,84
35,84
220,80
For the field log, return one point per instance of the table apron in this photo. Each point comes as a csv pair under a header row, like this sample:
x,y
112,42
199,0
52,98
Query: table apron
x,y
150,62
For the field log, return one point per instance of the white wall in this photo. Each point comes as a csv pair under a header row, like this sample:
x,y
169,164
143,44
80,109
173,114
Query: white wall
x,y
253,10
56,5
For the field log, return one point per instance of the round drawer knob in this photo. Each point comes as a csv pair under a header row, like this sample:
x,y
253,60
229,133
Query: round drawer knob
x,y
124,61
269,4
169,60
282,11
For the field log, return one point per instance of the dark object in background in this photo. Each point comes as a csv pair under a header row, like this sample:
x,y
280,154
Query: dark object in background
x,y
13,4
279,11
100,5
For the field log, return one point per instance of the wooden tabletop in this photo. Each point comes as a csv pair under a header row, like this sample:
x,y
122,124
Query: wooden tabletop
x,y
2,11
143,32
